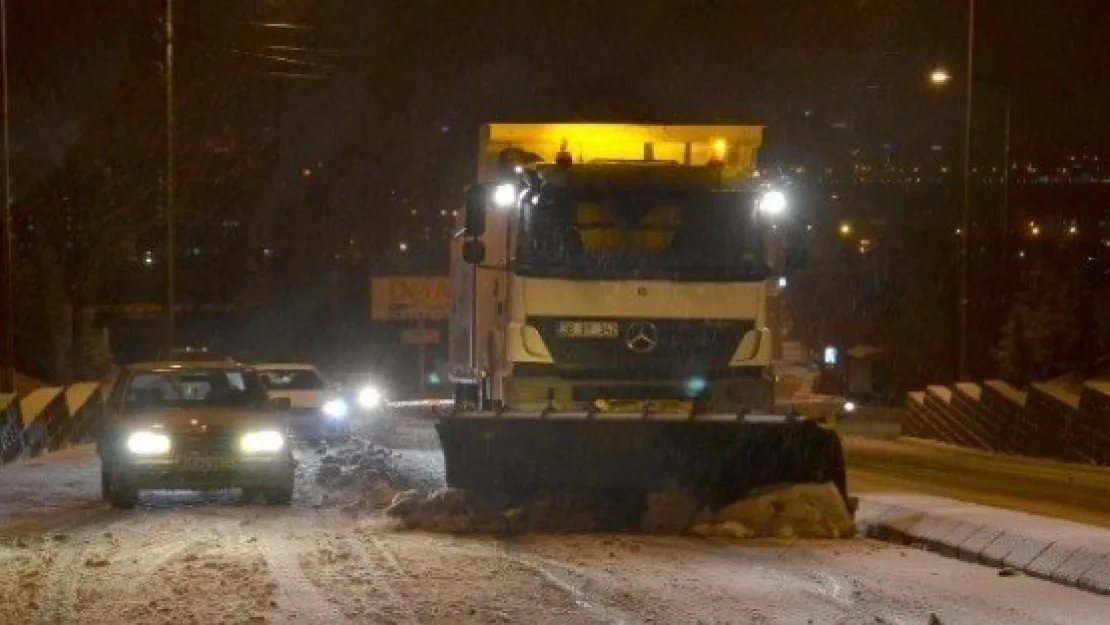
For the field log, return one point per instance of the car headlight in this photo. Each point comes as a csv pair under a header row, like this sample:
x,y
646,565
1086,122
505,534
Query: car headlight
x,y
335,408
262,442
773,203
369,397
148,444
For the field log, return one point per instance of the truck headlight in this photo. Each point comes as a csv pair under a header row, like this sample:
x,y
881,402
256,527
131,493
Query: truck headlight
x,y
504,195
369,398
148,444
335,408
262,442
772,203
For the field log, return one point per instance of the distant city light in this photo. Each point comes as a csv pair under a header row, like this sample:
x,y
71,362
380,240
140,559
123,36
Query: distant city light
x,y
148,258
940,76
404,247
782,282
306,172
1073,229
845,228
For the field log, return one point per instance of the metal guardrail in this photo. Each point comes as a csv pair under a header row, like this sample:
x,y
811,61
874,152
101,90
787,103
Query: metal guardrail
x,y
48,419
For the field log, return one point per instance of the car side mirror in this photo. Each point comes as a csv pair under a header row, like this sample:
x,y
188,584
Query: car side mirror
x,y
473,252
477,197
281,404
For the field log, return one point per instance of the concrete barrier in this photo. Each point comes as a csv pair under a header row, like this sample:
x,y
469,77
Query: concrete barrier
x,y
11,428
1047,421
47,419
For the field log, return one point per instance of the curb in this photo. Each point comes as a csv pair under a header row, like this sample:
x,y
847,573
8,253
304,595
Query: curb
x,y
1054,550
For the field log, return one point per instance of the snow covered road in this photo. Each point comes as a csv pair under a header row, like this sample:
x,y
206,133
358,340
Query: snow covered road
x,y
66,558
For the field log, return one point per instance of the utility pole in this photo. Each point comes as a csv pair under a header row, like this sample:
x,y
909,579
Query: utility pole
x,y
7,320
1006,186
965,231
170,252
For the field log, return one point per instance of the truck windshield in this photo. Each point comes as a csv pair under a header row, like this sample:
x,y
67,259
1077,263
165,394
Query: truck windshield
x,y
650,234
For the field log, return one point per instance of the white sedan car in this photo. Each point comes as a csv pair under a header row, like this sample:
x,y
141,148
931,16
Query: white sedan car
x,y
317,407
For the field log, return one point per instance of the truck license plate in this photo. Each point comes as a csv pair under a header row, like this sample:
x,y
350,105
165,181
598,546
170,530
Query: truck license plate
x,y
205,463
589,329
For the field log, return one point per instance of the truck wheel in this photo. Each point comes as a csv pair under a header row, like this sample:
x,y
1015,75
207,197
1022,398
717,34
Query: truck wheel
x,y
280,494
117,492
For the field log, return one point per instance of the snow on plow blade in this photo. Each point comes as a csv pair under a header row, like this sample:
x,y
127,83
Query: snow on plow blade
x,y
718,458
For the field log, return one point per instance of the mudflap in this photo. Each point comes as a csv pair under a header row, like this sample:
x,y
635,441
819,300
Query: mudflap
x,y
717,461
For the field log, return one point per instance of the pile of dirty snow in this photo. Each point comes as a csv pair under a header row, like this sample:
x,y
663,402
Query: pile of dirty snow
x,y
788,511
795,511
359,476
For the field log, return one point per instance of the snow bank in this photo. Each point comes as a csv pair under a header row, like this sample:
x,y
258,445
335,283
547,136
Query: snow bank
x,y
801,511
788,511
359,476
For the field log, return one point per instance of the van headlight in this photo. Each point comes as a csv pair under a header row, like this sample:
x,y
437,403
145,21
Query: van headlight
x,y
148,444
335,408
369,398
264,441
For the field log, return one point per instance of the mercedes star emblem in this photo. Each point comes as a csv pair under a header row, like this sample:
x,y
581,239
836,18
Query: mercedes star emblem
x,y
642,337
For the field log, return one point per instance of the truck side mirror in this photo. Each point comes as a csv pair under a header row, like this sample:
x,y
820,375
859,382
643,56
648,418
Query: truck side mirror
x,y
477,197
474,252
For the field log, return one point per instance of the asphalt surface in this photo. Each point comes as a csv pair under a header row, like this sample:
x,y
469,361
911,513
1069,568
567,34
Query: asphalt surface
x,y
181,558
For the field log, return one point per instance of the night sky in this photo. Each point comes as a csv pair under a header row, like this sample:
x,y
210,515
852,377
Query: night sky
x,y
406,83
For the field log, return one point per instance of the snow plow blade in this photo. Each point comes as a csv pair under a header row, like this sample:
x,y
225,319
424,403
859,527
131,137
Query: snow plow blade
x,y
719,458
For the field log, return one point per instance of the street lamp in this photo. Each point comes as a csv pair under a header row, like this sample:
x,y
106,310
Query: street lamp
x,y
940,78
170,266
7,319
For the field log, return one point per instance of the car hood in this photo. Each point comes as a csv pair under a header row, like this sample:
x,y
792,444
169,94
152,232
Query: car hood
x,y
303,399
193,418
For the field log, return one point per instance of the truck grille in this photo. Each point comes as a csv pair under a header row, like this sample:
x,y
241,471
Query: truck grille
x,y
681,346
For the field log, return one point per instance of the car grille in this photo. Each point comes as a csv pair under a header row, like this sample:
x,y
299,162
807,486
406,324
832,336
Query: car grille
x,y
211,442
683,346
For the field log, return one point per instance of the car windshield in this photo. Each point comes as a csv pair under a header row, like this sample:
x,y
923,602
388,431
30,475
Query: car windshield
x,y
641,233
189,388
293,380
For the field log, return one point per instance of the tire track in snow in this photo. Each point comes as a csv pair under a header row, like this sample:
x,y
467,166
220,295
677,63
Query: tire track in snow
x,y
584,589
59,589
58,597
297,596
378,554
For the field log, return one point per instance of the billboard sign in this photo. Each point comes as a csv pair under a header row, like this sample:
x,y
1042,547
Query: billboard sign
x,y
410,298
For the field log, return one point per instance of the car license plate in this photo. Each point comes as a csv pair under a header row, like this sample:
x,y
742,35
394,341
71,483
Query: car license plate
x,y
589,329
205,463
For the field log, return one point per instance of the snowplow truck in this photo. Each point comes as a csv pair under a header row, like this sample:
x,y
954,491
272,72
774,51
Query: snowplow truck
x,y
609,326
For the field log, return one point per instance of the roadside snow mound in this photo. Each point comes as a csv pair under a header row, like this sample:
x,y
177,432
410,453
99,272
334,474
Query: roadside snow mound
x,y
454,510
788,511
798,511
359,476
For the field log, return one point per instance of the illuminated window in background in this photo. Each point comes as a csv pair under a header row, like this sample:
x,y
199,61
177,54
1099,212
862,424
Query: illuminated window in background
x,y
600,231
